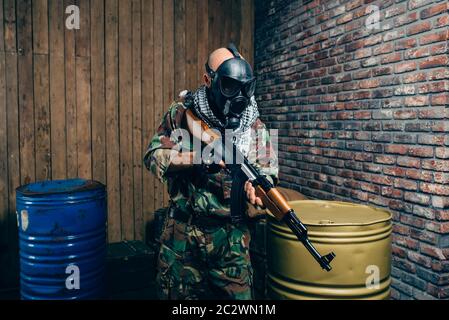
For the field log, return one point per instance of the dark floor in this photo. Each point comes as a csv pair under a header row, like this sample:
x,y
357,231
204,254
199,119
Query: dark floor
x,y
131,273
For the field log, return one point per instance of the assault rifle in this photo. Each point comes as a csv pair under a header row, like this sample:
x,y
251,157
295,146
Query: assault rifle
x,y
242,170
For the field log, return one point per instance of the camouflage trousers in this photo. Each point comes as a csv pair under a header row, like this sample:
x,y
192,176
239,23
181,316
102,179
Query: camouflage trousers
x,y
199,263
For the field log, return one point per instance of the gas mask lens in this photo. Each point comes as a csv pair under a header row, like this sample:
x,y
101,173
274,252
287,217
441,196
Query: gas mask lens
x,y
230,87
249,88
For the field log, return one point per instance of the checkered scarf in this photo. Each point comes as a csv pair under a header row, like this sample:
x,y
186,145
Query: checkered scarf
x,y
241,135
202,109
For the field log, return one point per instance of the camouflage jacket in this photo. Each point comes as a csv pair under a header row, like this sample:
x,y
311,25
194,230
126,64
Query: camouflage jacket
x,y
193,189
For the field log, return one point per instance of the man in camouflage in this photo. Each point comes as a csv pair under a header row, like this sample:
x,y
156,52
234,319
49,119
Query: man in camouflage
x,y
203,255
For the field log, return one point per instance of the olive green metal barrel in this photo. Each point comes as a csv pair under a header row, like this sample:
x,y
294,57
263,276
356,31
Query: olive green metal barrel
x,y
359,235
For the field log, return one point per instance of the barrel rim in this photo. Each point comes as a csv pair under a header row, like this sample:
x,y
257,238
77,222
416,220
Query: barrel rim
x,y
84,186
340,224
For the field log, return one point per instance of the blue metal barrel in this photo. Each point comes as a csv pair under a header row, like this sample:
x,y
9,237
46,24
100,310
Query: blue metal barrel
x,y
62,239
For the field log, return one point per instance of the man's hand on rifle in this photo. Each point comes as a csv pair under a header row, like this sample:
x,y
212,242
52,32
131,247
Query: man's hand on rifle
x,y
185,160
251,195
257,208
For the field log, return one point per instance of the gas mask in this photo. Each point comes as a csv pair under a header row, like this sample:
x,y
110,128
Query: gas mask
x,y
232,87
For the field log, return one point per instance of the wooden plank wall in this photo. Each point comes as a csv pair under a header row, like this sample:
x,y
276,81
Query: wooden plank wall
x,y
85,103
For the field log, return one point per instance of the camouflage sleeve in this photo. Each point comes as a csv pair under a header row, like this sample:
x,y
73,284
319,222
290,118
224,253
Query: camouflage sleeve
x,y
262,153
158,161
157,156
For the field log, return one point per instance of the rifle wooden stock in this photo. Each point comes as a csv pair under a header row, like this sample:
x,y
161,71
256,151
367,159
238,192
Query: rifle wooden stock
x,y
198,127
274,201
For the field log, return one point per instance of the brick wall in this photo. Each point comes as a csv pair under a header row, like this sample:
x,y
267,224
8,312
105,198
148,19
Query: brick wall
x,y
363,116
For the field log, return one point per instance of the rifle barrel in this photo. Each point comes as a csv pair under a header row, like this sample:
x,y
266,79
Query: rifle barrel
x,y
300,232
